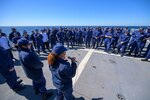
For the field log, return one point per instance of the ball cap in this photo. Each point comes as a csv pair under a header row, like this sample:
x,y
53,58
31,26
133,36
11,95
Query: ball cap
x,y
59,48
22,42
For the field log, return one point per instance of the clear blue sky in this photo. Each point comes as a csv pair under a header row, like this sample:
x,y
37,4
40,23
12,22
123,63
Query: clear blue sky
x,y
74,12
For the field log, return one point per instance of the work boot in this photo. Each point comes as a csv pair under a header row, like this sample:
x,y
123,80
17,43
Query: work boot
x,y
45,96
129,54
122,55
19,81
144,59
19,88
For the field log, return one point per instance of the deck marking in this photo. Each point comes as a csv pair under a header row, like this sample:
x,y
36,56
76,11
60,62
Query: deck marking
x,y
82,65
117,55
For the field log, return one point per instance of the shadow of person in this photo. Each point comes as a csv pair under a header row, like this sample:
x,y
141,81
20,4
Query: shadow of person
x,y
29,94
97,98
80,98
55,94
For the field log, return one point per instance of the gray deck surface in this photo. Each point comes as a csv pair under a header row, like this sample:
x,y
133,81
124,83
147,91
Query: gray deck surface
x,y
104,76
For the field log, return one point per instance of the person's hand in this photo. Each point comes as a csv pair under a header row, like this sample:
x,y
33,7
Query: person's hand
x,y
11,69
122,42
73,59
110,36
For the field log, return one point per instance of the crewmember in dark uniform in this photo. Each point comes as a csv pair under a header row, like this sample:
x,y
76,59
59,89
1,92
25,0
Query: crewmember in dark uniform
x,y
39,41
107,41
3,34
33,39
62,72
60,36
33,68
114,40
69,36
88,38
123,42
15,38
137,45
11,35
147,54
4,42
53,38
8,72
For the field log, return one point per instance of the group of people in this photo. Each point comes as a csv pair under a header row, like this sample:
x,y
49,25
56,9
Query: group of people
x,y
62,71
114,40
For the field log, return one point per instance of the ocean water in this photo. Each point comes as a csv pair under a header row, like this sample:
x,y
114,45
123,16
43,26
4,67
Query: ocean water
x,y
7,29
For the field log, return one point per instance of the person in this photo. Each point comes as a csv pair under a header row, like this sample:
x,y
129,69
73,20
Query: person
x,y
33,68
53,38
33,39
60,36
62,72
84,34
15,38
114,40
102,36
11,35
74,39
3,34
132,39
123,42
107,41
26,36
69,36
48,32
7,70
137,45
39,41
94,37
78,37
45,39
4,42
147,54
88,38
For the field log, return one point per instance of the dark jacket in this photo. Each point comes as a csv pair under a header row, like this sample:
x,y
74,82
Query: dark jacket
x,y
11,35
31,64
15,39
5,60
62,74
38,38
124,38
89,35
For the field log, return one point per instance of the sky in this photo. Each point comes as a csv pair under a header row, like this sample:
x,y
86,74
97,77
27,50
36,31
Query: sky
x,y
74,12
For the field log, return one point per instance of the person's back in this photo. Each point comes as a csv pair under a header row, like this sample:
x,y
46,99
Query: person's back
x,y
4,42
7,70
33,68
11,35
39,38
3,58
62,72
89,35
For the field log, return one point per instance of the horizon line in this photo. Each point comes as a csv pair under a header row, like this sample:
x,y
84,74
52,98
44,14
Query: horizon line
x,y
72,25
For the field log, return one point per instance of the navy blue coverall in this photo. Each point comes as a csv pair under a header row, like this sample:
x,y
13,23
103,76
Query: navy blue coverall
x,y
62,74
33,69
6,64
